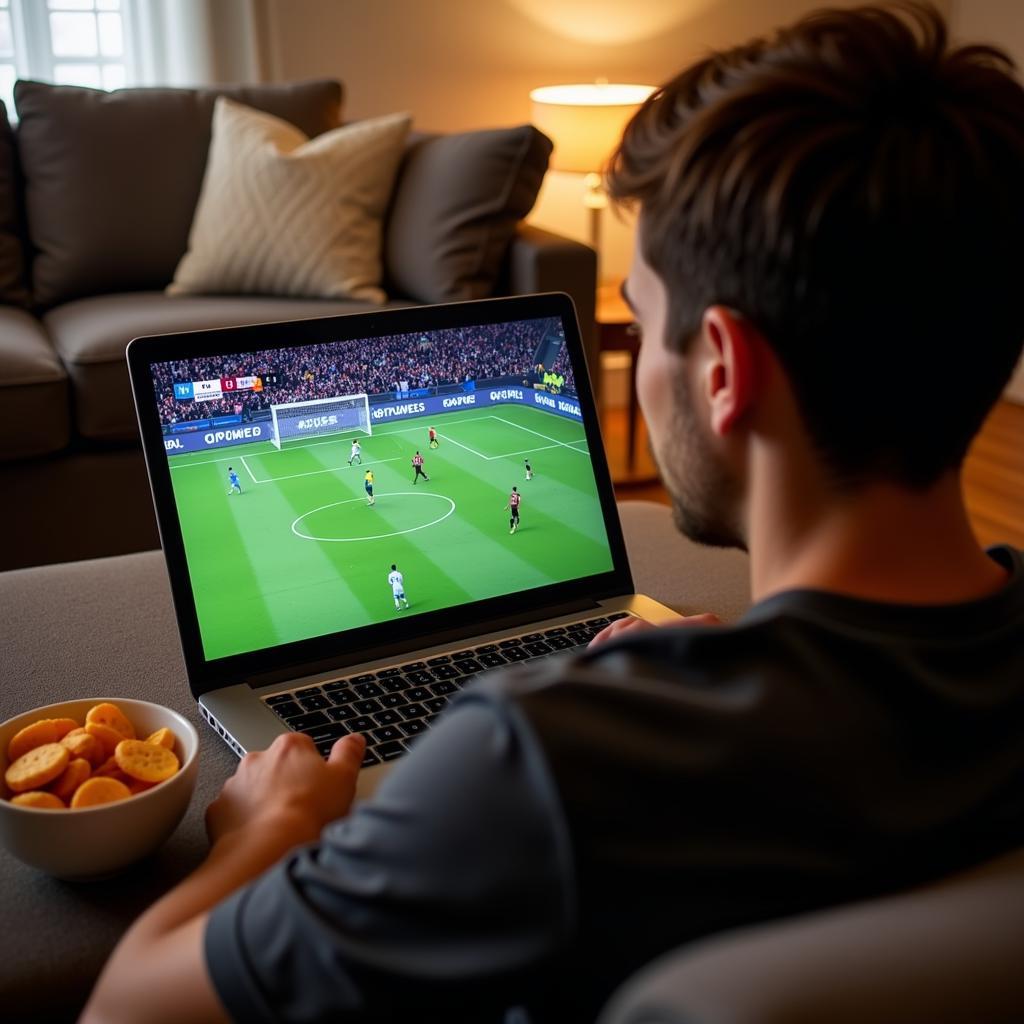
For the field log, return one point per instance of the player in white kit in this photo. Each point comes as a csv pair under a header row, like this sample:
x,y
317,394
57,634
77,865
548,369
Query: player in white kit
x,y
357,450
397,587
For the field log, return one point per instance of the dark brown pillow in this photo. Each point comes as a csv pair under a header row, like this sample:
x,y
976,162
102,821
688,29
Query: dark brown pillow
x,y
112,179
456,205
13,291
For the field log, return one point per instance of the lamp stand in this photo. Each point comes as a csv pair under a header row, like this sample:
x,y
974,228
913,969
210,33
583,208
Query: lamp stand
x,y
595,199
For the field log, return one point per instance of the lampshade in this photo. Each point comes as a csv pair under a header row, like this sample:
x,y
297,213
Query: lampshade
x,y
585,122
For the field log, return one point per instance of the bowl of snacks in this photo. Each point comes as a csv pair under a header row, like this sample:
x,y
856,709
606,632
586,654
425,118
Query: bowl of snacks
x,y
89,786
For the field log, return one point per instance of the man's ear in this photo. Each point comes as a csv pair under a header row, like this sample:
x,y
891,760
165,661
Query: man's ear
x,y
730,376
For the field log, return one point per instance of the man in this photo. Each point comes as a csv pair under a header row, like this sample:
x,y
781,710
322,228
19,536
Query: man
x,y
357,452
233,484
529,470
368,487
397,581
513,509
826,277
432,441
417,465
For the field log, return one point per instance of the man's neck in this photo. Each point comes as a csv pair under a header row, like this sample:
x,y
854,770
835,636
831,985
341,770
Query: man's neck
x,y
883,543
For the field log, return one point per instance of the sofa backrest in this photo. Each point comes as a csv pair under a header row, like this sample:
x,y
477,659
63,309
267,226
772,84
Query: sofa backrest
x,y
456,204
13,286
111,180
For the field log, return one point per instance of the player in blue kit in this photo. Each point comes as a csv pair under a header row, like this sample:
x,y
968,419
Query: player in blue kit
x,y
233,480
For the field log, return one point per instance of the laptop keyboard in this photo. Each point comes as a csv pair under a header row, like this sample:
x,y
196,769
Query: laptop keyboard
x,y
393,706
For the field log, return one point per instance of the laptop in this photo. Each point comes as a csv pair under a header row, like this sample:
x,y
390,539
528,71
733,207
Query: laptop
x,y
362,514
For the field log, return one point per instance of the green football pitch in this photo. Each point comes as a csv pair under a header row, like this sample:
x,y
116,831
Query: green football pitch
x,y
300,553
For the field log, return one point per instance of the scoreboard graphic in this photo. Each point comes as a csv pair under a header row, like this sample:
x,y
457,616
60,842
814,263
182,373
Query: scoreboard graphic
x,y
205,390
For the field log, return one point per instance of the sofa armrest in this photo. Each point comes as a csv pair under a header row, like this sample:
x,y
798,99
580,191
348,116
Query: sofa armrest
x,y
540,261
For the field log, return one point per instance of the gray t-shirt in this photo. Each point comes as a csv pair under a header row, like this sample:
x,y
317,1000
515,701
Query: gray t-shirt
x,y
564,824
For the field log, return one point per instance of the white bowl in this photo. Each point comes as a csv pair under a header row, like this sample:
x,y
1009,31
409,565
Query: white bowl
x,y
97,841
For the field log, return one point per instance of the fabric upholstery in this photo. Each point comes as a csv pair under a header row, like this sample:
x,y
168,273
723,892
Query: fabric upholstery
x,y
34,411
112,179
941,954
282,214
91,335
456,205
13,288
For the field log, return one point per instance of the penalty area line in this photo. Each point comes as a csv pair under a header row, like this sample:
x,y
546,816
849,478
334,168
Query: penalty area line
x,y
249,471
466,447
554,440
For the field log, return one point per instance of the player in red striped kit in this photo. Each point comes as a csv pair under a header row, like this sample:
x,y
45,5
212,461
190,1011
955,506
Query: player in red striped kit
x,y
417,465
513,506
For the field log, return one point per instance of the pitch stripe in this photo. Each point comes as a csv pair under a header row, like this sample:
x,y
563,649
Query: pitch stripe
x,y
317,472
554,440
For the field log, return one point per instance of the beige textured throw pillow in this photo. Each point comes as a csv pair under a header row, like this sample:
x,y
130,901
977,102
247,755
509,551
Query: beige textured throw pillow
x,y
282,214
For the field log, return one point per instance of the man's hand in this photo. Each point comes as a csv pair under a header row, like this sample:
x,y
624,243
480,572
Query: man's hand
x,y
278,798
620,627
289,781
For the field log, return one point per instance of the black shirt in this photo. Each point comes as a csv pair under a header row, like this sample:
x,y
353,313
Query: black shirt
x,y
564,824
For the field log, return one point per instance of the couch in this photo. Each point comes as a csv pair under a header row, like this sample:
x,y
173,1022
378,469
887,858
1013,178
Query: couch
x,y
97,192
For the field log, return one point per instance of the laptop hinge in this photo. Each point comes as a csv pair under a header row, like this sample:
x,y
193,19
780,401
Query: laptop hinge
x,y
395,650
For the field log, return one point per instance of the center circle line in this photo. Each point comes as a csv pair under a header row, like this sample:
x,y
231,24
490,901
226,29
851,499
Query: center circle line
x,y
379,536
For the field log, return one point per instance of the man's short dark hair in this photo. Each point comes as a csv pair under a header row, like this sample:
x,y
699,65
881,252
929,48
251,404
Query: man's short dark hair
x,y
854,186
394,567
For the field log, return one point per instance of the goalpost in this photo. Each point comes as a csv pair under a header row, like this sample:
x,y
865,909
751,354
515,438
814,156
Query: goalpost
x,y
320,418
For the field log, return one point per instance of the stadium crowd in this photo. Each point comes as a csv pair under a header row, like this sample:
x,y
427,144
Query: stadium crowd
x,y
371,365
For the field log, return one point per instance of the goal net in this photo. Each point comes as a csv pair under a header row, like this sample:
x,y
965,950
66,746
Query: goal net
x,y
320,418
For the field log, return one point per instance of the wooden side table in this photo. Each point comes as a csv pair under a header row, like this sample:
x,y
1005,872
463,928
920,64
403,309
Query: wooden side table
x,y
616,334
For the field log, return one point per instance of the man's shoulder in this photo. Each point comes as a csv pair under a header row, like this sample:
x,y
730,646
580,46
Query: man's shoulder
x,y
806,668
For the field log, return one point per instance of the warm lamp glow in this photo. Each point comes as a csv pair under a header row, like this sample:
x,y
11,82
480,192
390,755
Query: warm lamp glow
x,y
585,122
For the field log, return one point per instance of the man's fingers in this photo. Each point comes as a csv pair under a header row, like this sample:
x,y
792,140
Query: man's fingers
x,y
631,625
618,628
348,752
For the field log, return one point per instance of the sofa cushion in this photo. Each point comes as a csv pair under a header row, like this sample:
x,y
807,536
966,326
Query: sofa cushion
x,y
112,179
34,418
13,288
457,202
92,334
283,214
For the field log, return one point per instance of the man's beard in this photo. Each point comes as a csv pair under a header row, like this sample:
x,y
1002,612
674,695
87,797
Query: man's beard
x,y
704,492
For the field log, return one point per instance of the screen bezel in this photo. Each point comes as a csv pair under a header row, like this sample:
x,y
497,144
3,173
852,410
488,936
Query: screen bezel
x,y
304,657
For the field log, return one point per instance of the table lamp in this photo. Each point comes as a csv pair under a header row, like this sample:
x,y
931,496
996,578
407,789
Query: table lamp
x,y
585,122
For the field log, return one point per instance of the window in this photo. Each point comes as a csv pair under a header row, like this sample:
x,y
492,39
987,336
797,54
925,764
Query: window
x,y
69,42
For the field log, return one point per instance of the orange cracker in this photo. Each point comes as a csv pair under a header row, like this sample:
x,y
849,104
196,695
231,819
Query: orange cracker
x,y
94,792
39,798
77,771
108,737
34,735
111,716
110,770
64,726
163,738
83,744
37,767
146,762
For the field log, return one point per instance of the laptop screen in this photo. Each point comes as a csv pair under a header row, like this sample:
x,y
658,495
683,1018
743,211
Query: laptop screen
x,y
349,483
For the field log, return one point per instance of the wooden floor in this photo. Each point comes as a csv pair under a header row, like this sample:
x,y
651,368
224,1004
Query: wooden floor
x,y
993,472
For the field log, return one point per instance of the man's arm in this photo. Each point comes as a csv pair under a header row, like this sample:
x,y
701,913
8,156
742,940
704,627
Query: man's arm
x,y
278,799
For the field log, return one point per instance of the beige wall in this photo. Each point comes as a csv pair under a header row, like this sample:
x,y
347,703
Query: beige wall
x,y
460,64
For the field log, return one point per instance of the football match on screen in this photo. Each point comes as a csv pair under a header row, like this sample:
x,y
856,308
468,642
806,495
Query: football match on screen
x,y
331,486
